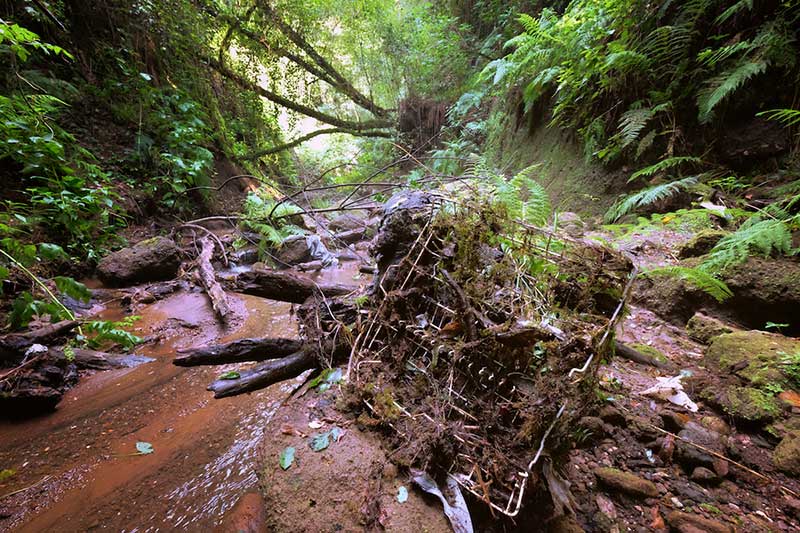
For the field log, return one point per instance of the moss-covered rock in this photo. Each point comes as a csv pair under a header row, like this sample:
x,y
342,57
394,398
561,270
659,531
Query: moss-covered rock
x,y
746,404
703,328
152,259
655,353
700,244
755,356
787,454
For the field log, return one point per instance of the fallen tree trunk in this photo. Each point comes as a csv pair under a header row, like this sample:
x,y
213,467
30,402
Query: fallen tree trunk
x,y
265,374
285,286
94,360
219,300
238,352
14,345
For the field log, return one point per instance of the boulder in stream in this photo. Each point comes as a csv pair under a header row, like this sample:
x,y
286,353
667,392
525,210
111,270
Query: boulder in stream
x,y
152,259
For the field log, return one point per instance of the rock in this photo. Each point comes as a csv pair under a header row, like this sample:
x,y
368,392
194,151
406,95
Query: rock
x,y
692,523
700,244
564,524
247,516
612,415
746,404
787,454
571,224
703,475
37,387
153,259
697,434
595,425
703,328
347,222
626,482
755,356
674,421
299,249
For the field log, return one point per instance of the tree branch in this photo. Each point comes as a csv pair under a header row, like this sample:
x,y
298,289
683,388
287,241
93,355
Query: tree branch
x,y
304,138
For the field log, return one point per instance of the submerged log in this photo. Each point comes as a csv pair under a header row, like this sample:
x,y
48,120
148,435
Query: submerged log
x,y
285,285
265,374
94,360
219,301
238,351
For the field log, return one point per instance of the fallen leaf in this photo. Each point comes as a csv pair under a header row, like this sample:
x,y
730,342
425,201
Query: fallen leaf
x,y
791,397
230,375
402,494
286,458
144,448
315,424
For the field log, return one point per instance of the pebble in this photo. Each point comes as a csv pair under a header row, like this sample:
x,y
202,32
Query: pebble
x,y
676,502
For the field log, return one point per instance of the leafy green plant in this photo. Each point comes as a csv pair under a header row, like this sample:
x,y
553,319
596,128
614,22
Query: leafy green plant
x,y
695,277
647,197
755,236
521,196
100,332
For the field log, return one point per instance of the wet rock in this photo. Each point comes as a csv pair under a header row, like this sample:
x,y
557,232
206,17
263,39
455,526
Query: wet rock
x,y
703,328
700,244
245,256
755,356
692,523
704,476
691,455
596,425
626,482
746,404
299,249
612,415
347,222
787,454
37,387
247,516
153,259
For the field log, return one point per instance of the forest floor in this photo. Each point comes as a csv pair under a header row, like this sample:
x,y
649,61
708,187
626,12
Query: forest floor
x,y
77,469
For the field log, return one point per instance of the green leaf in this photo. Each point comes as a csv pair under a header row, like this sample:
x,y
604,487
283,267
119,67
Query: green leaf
x,y
72,288
325,379
230,375
319,441
286,458
51,252
144,448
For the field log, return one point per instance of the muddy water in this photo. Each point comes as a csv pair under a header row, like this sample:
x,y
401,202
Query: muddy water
x,y
79,459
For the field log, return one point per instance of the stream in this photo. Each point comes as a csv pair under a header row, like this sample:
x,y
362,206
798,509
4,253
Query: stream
x,y
79,463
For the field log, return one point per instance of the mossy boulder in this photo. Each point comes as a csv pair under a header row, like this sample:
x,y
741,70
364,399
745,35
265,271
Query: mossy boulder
x,y
787,454
703,328
154,259
746,404
701,244
754,356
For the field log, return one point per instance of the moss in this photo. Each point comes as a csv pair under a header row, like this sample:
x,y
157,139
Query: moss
x,y
652,352
704,328
701,243
707,507
787,454
749,404
757,356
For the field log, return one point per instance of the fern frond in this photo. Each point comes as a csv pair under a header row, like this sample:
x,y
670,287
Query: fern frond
x,y
646,197
755,236
733,10
633,121
721,87
712,57
664,164
645,143
695,277
788,117
534,200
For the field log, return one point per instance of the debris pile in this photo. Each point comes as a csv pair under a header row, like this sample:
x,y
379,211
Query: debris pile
x,y
477,349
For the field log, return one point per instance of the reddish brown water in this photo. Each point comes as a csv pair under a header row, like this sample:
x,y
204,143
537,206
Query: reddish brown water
x,y
204,448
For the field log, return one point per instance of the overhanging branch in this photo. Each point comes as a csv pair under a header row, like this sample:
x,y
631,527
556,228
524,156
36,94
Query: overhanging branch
x,y
304,138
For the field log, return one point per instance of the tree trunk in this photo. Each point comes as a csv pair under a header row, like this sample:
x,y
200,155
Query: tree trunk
x,y
265,374
284,285
219,301
238,351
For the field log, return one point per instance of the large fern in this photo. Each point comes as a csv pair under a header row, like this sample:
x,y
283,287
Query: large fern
x,y
646,197
721,87
700,279
788,117
755,236
522,196
663,165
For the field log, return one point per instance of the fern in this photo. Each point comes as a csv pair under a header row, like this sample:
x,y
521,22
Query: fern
x,y
788,117
664,164
721,87
733,10
522,196
646,197
755,236
698,278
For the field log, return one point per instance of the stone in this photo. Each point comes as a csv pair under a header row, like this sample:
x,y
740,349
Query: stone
x,y
691,455
294,250
595,425
703,328
692,523
626,482
571,223
704,476
787,454
674,421
347,222
612,415
700,244
153,259
755,356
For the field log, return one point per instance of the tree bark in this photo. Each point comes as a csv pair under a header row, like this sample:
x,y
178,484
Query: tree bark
x,y
238,351
284,285
265,374
219,300
14,345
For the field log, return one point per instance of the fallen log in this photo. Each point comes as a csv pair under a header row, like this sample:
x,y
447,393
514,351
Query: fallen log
x,y
238,351
284,285
94,360
14,345
265,374
626,352
219,300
